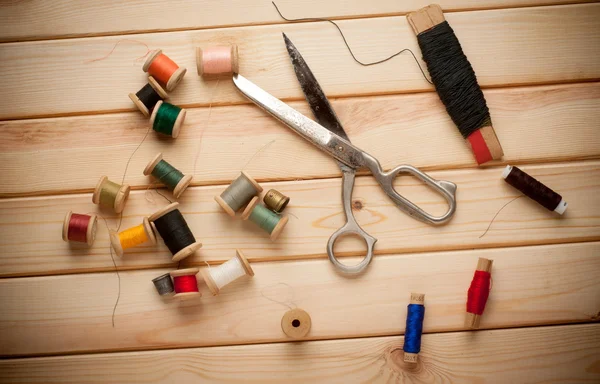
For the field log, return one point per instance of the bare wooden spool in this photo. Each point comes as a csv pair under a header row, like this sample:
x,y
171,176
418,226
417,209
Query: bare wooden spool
x,y
175,76
278,228
472,320
180,187
426,18
184,252
296,323
186,272
120,199
178,122
90,235
223,203
415,298
210,283
115,242
138,103
200,63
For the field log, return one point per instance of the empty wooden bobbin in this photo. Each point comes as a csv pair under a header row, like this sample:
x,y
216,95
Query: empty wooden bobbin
x,y
110,194
186,293
254,208
177,188
169,128
115,240
90,233
296,323
215,284
238,193
183,251
216,61
165,70
275,200
147,97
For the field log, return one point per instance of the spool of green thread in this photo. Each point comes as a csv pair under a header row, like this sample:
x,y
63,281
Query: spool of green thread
x,y
167,119
268,220
111,195
170,176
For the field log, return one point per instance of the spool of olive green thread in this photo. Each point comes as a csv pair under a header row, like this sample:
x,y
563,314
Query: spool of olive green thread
x,y
266,219
167,119
110,195
238,194
170,176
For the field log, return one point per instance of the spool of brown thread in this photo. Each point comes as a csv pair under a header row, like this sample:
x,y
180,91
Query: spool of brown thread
x,y
535,190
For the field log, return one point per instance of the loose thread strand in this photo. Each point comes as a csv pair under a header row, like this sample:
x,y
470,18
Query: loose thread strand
x,y
291,291
259,151
116,271
497,213
348,45
115,47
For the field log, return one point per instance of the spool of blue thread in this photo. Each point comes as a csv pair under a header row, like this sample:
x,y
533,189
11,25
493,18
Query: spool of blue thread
x,y
414,327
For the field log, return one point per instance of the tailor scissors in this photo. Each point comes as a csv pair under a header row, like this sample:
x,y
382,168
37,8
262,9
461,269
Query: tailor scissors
x,y
329,135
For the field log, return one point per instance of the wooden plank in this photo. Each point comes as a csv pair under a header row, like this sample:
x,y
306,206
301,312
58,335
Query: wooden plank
x,y
534,355
72,313
315,212
69,154
34,20
496,43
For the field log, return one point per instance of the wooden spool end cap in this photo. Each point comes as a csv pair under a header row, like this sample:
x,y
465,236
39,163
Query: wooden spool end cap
x,y
182,186
150,230
160,90
96,195
163,211
65,232
175,78
417,298
411,358
184,272
154,112
257,186
244,262
178,123
279,227
296,323
121,198
472,320
250,208
224,205
91,230
485,145
210,282
138,103
484,264
152,164
150,59
235,62
187,251
115,243
426,18
187,295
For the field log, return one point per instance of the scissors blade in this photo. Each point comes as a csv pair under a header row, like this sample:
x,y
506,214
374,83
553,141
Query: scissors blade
x,y
320,106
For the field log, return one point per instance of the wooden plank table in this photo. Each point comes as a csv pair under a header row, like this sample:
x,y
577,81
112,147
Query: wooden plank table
x,y
67,120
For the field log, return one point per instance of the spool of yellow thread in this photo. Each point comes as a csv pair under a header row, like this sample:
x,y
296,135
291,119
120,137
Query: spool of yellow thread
x,y
133,237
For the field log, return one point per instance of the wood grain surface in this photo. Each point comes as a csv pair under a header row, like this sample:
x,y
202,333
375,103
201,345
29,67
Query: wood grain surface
x,y
508,39
69,154
34,20
72,313
315,213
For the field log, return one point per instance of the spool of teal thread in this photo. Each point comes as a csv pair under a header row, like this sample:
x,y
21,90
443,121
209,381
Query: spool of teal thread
x,y
170,176
167,119
266,219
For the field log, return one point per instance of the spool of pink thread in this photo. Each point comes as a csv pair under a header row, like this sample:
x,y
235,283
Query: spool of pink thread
x,y
215,61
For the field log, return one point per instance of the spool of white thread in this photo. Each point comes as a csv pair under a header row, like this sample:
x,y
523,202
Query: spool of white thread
x,y
226,273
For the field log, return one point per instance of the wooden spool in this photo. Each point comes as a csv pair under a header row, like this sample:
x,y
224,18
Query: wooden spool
x,y
120,199
472,320
116,242
92,227
210,283
415,298
184,252
176,76
138,103
178,122
296,323
226,206
278,228
180,187
234,63
185,272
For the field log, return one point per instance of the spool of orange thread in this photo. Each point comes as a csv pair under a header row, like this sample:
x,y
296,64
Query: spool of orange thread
x,y
165,70
215,61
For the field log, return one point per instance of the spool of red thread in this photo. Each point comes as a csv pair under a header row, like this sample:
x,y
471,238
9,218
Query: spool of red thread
x,y
165,70
79,228
479,292
185,283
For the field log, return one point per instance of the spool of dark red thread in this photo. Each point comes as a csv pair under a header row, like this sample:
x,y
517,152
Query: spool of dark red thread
x,y
535,190
79,228
479,292
185,283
